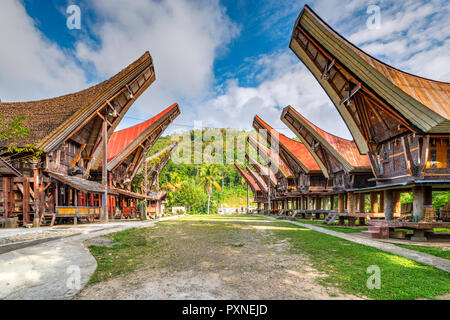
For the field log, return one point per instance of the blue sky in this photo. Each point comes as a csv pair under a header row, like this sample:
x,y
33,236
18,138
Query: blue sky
x,y
223,61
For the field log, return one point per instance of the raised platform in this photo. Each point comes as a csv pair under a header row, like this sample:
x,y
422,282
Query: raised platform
x,y
382,229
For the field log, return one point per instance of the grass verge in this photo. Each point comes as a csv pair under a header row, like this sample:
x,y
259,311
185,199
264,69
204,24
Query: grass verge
x,y
346,264
438,252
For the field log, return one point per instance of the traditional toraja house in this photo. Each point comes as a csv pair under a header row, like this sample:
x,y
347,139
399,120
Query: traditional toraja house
x,y
339,160
151,169
127,150
258,195
307,183
70,132
400,120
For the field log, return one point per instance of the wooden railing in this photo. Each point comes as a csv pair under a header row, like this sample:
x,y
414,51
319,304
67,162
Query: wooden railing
x,y
78,211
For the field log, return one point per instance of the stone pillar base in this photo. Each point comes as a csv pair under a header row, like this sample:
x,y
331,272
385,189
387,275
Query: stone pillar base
x,y
36,223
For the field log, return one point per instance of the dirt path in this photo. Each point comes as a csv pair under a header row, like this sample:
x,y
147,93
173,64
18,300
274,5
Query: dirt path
x,y
216,258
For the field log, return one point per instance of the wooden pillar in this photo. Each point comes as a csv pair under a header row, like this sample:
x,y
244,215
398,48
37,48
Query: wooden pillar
x,y
373,202
351,203
318,199
6,197
325,203
331,202
26,200
388,205
396,200
381,201
341,208
362,203
37,196
418,203
428,196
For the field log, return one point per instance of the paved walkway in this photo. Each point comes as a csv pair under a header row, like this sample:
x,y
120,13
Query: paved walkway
x,y
421,257
46,271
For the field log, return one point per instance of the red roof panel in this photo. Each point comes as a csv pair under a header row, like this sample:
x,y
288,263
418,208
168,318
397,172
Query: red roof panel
x,y
347,148
121,139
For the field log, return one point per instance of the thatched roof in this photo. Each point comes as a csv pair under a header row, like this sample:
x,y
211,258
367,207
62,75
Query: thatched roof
x,y
45,117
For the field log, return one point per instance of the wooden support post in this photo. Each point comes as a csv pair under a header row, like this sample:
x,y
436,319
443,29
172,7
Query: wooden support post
x,y
341,208
26,200
373,202
397,203
351,203
388,197
381,201
418,203
104,215
37,196
362,203
428,196
5,197
331,202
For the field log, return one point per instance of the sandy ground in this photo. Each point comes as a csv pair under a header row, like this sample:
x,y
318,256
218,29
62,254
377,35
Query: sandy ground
x,y
244,263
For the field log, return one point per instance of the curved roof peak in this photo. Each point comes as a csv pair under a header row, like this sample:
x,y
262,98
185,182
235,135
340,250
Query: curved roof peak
x,y
295,148
422,102
121,139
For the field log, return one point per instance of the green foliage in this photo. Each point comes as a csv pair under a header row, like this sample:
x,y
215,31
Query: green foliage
x,y
189,184
15,128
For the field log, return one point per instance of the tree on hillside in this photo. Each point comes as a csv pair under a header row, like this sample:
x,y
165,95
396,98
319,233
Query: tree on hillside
x,y
209,175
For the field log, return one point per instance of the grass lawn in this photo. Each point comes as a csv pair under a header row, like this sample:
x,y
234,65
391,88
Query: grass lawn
x,y
438,252
344,263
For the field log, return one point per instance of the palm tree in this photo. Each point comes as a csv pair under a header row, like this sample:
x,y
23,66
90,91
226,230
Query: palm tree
x,y
209,175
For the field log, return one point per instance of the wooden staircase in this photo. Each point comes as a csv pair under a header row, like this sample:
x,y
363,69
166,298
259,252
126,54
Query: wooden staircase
x,y
48,220
330,218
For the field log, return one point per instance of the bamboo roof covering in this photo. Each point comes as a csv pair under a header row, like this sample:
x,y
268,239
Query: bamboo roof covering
x,y
297,149
423,103
46,119
258,179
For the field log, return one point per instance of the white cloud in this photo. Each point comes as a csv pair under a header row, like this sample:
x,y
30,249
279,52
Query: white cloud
x,y
288,83
183,37
31,67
